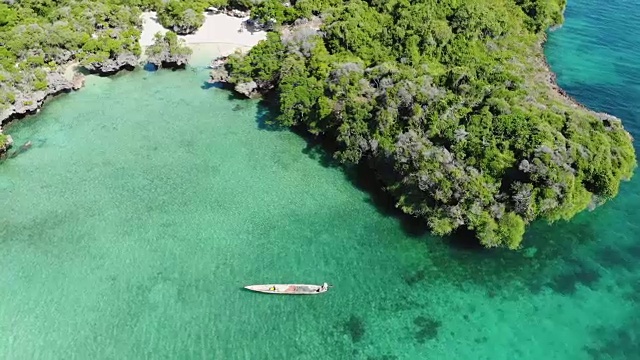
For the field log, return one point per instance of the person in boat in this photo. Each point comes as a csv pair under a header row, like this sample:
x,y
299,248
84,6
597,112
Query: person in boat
x,y
323,287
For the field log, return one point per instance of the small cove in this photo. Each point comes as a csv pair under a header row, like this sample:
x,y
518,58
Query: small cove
x,y
147,202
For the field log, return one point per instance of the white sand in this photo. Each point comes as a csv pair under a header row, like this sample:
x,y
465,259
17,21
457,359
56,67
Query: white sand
x,y
221,31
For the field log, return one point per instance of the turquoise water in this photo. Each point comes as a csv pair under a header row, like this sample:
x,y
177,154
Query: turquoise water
x,y
148,200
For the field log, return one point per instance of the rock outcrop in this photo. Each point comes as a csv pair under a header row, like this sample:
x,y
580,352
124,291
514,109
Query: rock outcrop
x,y
5,142
78,81
126,61
168,51
166,59
184,29
227,11
218,75
30,102
249,89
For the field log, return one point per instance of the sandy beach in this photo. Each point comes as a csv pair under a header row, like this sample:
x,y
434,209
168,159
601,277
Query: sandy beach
x,y
220,35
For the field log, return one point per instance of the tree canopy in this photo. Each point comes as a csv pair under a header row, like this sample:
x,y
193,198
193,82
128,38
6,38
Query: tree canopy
x,y
448,102
37,36
183,17
168,50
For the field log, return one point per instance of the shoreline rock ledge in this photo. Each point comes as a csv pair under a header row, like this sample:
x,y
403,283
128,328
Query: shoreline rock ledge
x,y
111,66
167,60
27,103
220,75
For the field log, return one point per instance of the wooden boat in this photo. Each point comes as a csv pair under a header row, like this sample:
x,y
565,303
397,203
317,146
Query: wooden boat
x,y
289,289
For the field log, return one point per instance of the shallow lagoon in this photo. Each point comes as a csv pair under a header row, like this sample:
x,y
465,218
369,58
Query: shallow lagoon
x,y
148,200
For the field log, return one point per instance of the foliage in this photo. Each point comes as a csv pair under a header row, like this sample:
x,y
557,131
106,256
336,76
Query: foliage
x,y
168,48
445,100
183,17
169,42
260,65
274,9
38,36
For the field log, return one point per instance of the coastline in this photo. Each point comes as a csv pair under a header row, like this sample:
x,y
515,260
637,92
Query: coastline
x,y
217,28
220,35
551,80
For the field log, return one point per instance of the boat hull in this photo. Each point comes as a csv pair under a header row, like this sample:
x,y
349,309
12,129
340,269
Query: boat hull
x,y
288,289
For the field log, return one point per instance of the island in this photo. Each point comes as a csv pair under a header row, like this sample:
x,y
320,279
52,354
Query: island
x,y
450,105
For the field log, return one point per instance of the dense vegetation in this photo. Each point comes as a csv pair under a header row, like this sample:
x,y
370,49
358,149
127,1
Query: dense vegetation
x,y
181,16
168,51
40,32
38,36
448,101
4,141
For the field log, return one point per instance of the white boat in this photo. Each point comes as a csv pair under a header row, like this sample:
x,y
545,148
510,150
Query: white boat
x,y
289,289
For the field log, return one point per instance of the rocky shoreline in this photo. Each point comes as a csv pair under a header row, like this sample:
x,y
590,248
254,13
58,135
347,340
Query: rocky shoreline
x,y
27,104
252,90
219,75
31,103
57,83
125,61
551,79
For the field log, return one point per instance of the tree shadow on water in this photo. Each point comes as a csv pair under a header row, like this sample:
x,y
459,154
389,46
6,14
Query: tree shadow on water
x,y
265,113
266,110
547,261
318,149
265,117
552,257
364,179
206,85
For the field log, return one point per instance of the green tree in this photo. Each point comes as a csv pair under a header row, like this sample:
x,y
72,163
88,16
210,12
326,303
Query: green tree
x,y
439,98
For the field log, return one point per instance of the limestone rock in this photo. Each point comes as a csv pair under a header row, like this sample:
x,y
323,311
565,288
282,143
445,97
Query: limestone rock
x,y
168,51
167,60
57,83
248,89
110,66
184,29
30,102
218,75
